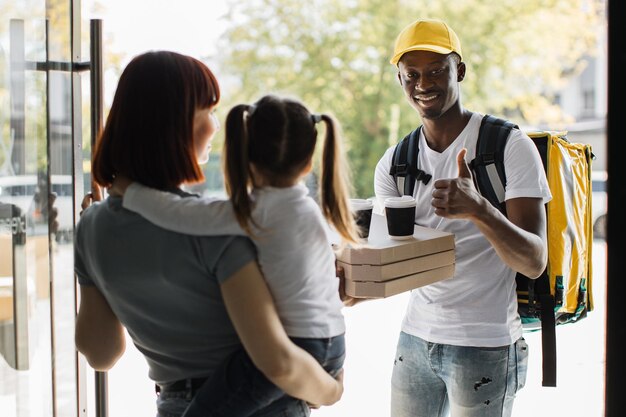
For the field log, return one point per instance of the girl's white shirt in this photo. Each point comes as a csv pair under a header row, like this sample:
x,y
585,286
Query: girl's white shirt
x,y
292,240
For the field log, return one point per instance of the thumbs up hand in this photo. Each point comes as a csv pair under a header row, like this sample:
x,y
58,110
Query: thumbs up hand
x,y
457,197
464,170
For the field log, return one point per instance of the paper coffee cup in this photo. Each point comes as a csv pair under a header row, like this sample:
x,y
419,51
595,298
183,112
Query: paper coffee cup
x,y
362,210
400,214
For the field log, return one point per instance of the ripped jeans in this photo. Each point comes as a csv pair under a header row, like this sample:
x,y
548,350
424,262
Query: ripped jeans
x,y
435,380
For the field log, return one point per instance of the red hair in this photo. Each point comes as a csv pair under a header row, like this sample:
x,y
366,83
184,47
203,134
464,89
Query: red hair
x,y
148,135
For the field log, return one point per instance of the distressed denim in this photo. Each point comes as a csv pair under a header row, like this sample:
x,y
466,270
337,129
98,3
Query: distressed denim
x,y
239,389
437,380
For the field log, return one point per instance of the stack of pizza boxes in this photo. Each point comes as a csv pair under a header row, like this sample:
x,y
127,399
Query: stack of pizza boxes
x,y
382,267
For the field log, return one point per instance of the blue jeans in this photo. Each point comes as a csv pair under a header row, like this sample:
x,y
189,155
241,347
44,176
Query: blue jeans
x,y
432,380
239,389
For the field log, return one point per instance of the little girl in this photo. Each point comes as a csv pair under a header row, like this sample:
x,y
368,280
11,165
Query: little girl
x,y
269,147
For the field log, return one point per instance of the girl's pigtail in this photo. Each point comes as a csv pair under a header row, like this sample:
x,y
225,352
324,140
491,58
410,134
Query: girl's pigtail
x,y
335,184
236,165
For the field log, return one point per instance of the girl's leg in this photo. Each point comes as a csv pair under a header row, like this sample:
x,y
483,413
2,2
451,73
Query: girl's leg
x,y
239,389
329,352
236,389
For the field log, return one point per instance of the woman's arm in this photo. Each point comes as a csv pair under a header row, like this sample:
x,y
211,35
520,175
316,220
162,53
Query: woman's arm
x,y
292,369
190,215
99,335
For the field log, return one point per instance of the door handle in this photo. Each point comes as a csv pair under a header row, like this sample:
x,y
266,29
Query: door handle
x,y
97,112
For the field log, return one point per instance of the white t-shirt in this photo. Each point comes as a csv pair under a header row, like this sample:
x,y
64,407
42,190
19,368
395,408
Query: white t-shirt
x,y
293,246
478,306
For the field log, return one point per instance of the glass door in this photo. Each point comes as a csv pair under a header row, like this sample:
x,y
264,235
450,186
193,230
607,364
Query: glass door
x,y
41,186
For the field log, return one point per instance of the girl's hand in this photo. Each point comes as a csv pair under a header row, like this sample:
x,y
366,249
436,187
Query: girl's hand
x,y
91,197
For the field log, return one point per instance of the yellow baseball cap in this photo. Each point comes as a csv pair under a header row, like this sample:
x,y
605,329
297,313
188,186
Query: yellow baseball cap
x,y
426,35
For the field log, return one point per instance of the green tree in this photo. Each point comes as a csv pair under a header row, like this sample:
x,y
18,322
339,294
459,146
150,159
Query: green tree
x,y
334,55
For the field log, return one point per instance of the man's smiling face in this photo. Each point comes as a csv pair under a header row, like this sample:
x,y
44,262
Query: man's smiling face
x,y
430,81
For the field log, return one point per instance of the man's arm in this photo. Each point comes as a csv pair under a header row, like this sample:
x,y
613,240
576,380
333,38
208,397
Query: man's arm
x,y
253,313
527,253
519,240
384,184
99,335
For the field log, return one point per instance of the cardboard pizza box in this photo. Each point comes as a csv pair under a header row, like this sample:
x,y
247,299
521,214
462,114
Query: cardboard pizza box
x,y
385,289
380,249
378,273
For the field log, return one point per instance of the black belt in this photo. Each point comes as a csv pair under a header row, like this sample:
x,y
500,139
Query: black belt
x,y
181,385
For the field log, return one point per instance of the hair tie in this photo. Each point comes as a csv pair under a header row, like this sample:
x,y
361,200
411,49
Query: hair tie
x,y
251,109
316,118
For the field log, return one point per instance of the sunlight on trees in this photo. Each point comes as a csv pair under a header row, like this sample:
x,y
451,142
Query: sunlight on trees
x,y
334,55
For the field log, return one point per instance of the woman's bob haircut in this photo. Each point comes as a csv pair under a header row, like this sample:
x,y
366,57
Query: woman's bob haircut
x,y
148,135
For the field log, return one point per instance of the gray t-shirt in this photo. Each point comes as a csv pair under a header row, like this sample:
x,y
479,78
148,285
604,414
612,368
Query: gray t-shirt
x,y
162,286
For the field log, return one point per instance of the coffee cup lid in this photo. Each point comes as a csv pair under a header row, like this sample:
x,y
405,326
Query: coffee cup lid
x,y
361,204
400,202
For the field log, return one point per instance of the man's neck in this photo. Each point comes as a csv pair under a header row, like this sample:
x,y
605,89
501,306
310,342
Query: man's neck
x,y
441,132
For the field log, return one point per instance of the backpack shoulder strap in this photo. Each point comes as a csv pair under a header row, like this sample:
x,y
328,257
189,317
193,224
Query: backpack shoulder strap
x,y
548,330
404,170
488,165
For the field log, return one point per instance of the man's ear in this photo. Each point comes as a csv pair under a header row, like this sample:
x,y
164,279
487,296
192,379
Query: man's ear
x,y
460,71
399,78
